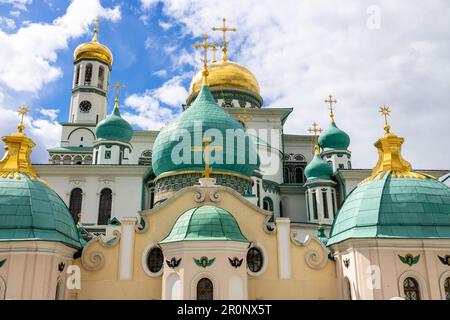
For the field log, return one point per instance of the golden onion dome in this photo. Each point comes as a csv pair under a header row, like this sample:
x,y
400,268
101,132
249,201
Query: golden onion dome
x,y
93,50
226,74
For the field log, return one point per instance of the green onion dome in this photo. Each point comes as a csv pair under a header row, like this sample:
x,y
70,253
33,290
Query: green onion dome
x,y
334,138
318,168
114,128
204,119
205,223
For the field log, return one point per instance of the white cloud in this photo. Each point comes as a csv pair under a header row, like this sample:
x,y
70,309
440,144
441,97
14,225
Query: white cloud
x,y
19,4
7,23
302,51
52,114
148,4
28,57
165,25
15,13
161,73
153,108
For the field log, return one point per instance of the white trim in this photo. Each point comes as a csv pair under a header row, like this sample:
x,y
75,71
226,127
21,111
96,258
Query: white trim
x,y
210,276
442,279
265,260
126,249
423,290
144,261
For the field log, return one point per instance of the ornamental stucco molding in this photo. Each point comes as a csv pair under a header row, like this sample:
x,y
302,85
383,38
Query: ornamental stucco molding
x,y
314,259
95,260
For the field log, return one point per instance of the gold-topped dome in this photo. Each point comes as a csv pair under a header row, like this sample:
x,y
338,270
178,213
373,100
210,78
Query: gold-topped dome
x,y
226,74
93,50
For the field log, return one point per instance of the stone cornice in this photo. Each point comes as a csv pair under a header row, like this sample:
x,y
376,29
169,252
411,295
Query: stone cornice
x,y
90,170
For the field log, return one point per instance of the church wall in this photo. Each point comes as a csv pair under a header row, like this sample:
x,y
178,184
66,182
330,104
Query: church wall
x,y
368,259
294,207
127,190
105,284
31,270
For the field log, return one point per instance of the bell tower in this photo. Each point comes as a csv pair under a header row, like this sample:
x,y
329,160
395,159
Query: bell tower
x,y
92,68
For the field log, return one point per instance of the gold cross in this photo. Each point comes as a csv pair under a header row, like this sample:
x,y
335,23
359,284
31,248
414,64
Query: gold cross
x,y
245,117
224,29
206,149
95,37
386,112
23,110
118,87
330,101
315,130
205,45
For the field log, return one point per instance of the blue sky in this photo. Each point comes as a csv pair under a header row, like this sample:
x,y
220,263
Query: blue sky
x,y
365,53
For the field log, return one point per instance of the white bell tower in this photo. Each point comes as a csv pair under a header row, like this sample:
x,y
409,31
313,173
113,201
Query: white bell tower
x,y
92,68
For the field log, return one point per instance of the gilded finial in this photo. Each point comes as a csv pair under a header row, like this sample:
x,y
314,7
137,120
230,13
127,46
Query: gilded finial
x,y
23,111
95,37
205,45
224,29
331,101
315,130
386,112
118,87
214,50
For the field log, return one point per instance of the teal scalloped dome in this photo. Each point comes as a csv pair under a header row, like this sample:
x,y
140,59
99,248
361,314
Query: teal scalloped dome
x,y
206,114
114,128
318,169
30,210
205,223
393,207
334,138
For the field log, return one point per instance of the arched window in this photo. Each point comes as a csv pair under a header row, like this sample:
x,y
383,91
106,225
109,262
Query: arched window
x,y
76,200
447,289
281,208
77,76
88,74
67,160
104,210
155,260
299,175
348,289
78,160
326,215
145,158
314,205
268,204
286,175
411,289
255,259
101,77
56,160
205,289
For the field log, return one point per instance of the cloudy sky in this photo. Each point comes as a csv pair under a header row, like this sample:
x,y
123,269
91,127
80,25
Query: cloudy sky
x,y
365,53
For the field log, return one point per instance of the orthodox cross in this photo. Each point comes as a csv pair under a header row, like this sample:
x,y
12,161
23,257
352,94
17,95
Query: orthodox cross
x,y
224,29
23,111
331,101
118,87
386,112
206,149
205,45
95,37
244,118
315,130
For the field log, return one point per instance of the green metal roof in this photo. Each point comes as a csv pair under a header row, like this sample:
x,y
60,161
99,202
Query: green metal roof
x,y
334,138
30,210
71,149
206,114
205,223
318,169
394,208
114,128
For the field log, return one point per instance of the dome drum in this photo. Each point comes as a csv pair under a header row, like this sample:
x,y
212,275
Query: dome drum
x,y
230,97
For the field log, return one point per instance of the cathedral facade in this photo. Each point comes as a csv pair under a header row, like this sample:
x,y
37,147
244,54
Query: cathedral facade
x,y
218,204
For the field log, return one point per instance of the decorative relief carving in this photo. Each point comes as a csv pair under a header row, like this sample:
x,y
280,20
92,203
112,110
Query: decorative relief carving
x,y
313,258
96,259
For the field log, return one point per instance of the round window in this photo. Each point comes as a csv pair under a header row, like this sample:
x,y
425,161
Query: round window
x,y
255,260
155,260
